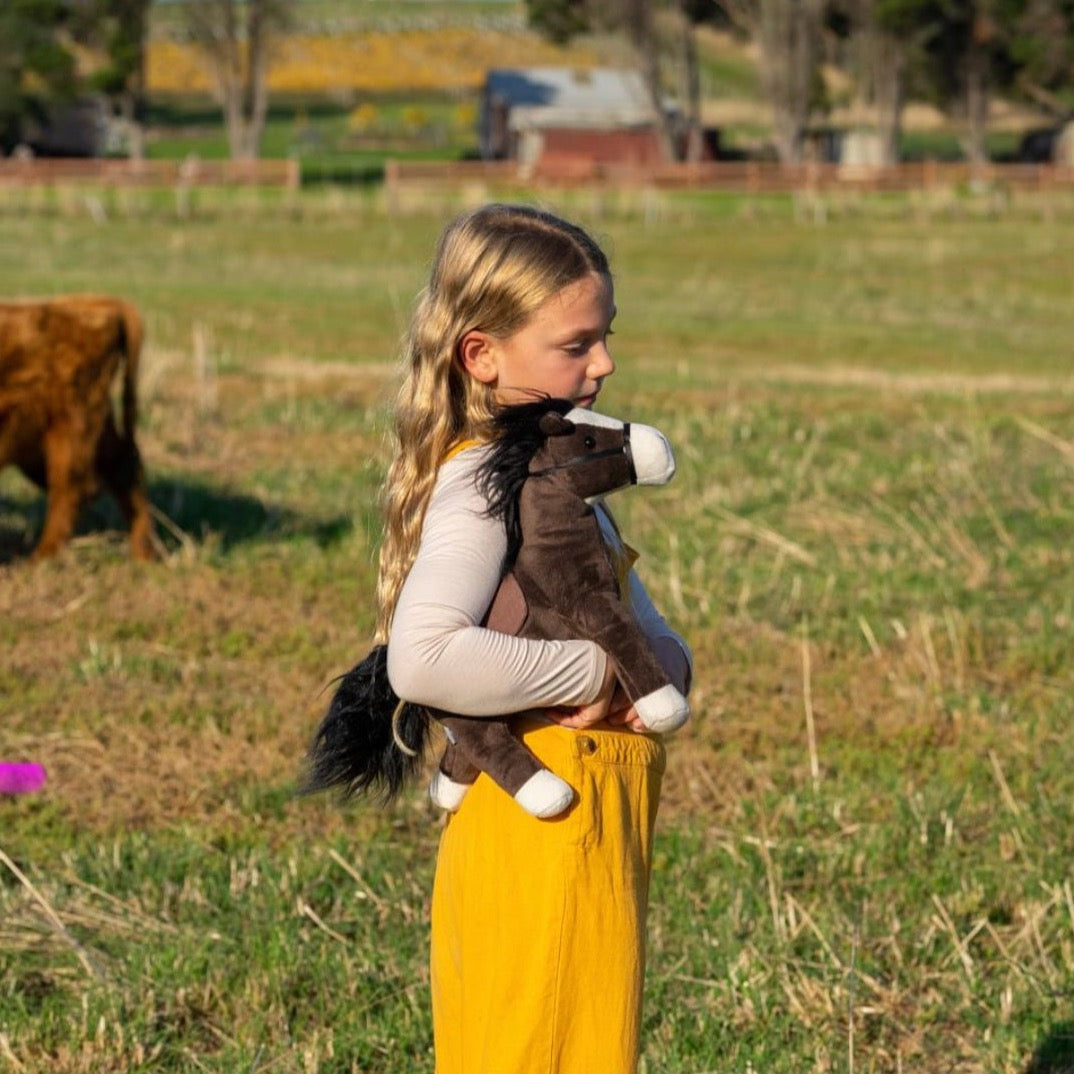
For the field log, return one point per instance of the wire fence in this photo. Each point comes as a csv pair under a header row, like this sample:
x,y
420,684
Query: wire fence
x,y
56,171
747,177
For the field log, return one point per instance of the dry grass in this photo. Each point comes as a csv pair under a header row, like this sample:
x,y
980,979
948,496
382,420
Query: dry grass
x,y
864,853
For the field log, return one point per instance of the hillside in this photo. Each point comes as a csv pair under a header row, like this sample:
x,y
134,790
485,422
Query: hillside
x,y
449,59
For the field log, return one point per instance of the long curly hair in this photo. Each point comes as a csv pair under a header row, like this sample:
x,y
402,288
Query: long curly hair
x,y
493,268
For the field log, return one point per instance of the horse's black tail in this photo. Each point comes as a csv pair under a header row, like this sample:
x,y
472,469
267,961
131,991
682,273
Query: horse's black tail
x,y
356,748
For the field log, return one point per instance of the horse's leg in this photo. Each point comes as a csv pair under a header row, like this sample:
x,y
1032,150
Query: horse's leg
x,y
455,774
609,622
509,763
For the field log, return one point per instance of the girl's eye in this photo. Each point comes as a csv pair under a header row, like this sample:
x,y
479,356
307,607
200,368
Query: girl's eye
x,y
589,443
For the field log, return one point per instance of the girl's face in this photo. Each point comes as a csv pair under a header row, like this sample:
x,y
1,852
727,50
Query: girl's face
x,y
562,351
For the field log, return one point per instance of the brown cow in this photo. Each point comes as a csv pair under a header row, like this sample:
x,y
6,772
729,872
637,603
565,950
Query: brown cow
x,y
58,360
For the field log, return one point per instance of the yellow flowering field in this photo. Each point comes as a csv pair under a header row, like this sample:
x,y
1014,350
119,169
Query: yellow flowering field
x,y
450,58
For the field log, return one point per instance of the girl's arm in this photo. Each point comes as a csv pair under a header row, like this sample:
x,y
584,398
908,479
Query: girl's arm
x,y
439,654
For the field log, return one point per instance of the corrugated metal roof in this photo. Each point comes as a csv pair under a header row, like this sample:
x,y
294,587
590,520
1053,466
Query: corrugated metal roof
x,y
567,96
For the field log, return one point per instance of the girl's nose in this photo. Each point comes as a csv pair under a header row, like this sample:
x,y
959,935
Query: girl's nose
x,y
600,363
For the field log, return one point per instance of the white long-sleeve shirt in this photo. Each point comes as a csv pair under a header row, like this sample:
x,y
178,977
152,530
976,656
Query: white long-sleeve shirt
x,y
440,655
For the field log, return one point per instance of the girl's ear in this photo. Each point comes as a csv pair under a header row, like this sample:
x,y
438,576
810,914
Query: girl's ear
x,y
554,424
476,352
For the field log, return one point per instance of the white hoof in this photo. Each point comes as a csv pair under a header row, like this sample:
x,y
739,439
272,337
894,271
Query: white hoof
x,y
544,795
663,710
446,793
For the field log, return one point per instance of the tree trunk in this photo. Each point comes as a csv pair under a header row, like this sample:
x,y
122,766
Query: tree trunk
x,y
886,62
788,34
129,109
890,98
691,88
647,46
974,107
231,98
255,88
132,97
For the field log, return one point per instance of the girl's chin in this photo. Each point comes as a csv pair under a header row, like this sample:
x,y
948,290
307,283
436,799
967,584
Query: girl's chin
x,y
510,396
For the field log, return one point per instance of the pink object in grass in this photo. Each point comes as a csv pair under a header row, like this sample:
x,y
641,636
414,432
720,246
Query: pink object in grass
x,y
16,778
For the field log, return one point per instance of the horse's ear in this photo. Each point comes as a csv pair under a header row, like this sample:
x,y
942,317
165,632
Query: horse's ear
x,y
553,424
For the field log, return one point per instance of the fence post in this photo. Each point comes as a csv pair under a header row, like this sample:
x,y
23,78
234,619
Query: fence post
x,y
293,174
930,174
391,185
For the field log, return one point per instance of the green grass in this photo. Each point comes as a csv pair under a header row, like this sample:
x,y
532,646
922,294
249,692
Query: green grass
x,y
870,532
316,131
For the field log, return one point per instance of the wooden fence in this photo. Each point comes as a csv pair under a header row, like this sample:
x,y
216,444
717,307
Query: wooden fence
x,y
41,171
747,177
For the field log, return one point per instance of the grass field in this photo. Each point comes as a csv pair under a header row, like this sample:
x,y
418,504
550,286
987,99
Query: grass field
x,y
864,858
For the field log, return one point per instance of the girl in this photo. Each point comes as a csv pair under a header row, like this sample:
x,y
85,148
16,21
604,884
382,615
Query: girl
x,y
537,925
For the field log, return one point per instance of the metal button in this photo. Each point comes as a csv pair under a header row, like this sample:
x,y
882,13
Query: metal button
x,y
587,745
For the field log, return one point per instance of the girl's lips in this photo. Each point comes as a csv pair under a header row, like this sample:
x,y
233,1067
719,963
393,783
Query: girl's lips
x,y
586,400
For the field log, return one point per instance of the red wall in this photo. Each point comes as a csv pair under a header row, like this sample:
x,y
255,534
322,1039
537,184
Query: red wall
x,y
564,147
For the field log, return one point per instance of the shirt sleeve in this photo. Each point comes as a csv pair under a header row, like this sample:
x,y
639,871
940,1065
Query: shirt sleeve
x,y
439,654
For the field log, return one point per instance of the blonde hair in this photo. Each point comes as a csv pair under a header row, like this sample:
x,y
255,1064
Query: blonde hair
x,y
493,268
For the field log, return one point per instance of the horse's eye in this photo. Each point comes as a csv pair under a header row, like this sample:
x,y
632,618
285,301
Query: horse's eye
x,y
589,443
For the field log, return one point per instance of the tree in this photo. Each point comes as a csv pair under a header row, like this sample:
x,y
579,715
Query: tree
x,y
36,66
1043,50
641,25
886,49
787,33
691,14
958,66
118,29
236,36
956,52
885,38
877,65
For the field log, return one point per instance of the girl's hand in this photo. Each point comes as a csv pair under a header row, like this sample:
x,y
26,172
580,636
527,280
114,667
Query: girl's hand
x,y
621,713
596,711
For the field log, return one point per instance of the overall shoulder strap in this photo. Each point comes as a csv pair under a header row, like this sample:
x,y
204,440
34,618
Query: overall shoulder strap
x,y
458,448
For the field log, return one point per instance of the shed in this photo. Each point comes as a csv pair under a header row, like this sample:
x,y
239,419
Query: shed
x,y
1049,145
75,128
549,116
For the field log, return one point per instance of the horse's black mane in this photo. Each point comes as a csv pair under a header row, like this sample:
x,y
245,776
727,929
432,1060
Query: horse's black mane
x,y
517,437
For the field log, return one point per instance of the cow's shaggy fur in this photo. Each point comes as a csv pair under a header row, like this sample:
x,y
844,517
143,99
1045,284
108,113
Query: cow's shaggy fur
x,y
58,361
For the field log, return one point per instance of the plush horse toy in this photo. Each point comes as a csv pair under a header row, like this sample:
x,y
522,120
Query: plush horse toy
x,y
548,461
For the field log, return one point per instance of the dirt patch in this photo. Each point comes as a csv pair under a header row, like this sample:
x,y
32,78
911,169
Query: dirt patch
x,y
913,383
181,699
